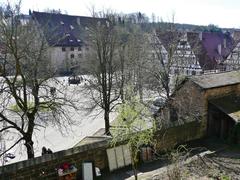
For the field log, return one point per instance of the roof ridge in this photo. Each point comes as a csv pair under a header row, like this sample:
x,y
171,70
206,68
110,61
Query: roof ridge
x,y
59,14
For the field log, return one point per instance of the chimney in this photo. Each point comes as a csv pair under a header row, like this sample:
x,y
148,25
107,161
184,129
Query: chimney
x,y
200,36
78,21
224,43
219,49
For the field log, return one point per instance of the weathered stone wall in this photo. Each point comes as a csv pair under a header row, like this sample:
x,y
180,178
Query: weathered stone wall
x,y
222,91
44,167
191,104
188,104
169,138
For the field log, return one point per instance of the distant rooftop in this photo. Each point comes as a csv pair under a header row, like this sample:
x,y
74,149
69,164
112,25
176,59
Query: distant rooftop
x,y
62,29
208,81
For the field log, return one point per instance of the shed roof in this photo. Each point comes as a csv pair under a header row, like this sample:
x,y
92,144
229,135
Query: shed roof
x,y
230,105
208,81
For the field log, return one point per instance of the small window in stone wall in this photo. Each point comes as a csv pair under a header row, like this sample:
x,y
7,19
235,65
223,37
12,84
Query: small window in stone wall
x,y
63,49
72,56
72,48
79,48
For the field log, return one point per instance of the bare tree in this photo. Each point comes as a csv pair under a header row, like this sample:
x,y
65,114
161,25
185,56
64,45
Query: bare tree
x,y
103,65
172,53
30,96
122,53
163,56
137,58
133,51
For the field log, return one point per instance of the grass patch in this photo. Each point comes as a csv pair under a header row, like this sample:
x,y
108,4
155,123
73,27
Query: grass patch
x,y
42,108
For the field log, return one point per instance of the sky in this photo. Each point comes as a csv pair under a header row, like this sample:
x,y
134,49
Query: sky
x,y
224,13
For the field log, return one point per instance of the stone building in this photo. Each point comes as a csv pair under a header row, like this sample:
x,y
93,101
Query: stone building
x,y
66,36
212,100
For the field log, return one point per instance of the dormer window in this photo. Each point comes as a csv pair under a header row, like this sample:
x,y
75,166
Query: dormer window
x,y
183,43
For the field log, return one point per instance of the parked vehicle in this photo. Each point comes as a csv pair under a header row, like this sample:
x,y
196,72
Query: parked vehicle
x,y
74,80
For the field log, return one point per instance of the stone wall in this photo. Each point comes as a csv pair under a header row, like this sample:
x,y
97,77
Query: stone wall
x,y
170,137
222,91
188,105
44,167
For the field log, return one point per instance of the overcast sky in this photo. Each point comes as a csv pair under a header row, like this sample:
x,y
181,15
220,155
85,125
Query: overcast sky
x,y
224,13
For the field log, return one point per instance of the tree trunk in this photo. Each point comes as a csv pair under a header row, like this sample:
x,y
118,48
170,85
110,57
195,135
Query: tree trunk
x,y
107,124
135,173
28,136
133,159
29,146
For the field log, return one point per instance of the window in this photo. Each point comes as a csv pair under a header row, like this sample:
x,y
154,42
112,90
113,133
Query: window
x,y
72,48
63,49
183,43
193,72
79,55
79,48
72,56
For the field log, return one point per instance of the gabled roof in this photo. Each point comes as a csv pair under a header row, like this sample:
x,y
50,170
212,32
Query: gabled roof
x,y
211,48
62,29
169,38
207,81
236,36
211,41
